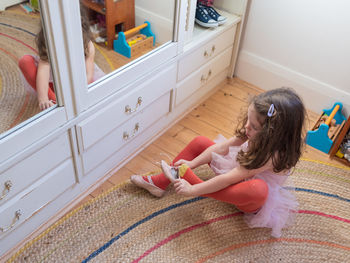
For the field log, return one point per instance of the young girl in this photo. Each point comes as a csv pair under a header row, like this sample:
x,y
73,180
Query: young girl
x,y
37,72
251,168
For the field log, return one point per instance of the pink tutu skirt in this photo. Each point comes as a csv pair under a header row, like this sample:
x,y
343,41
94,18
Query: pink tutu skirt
x,y
281,204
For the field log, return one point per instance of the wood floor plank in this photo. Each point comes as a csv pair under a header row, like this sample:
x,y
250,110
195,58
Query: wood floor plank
x,y
211,118
103,188
140,165
170,144
154,154
244,94
202,128
186,135
230,102
227,108
121,175
244,85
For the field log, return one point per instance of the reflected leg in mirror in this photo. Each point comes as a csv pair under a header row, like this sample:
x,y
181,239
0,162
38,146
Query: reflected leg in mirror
x,y
29,67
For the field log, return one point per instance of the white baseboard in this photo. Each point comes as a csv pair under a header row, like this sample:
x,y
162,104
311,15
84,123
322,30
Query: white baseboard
x,y
267,75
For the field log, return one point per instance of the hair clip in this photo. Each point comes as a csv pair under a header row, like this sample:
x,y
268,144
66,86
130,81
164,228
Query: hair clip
x,y
271,110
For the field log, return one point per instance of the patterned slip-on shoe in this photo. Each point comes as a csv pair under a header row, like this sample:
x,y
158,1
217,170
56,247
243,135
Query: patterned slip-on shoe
x,y
203,18
149,186
215,15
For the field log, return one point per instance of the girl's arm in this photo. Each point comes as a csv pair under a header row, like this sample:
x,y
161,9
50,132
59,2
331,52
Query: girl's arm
x,y
217,183
89,62
205,156
42,84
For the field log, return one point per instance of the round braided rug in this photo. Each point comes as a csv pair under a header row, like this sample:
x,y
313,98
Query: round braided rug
x,y
127,224
17,99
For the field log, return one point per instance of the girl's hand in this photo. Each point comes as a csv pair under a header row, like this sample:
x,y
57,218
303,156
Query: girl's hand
x,y
183,187
182,161
45,103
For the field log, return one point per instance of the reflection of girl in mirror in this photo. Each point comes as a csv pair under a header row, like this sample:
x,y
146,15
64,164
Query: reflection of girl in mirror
x,y
37,72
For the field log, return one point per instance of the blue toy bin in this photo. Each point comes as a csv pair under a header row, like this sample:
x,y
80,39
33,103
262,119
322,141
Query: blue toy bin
x,y
318,137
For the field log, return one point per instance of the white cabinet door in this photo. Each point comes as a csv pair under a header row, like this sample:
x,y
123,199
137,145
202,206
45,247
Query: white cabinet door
x,y
22,136
87,96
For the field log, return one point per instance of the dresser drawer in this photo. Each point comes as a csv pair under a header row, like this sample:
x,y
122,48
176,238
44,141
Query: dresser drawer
x,y
125,133
35,197
203,54
100,124
203,75
30,169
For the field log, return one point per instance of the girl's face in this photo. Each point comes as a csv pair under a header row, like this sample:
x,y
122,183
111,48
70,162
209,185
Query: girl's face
x,y
253,125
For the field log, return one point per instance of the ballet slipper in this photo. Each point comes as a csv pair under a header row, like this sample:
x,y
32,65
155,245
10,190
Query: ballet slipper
x,y
149,186
170,172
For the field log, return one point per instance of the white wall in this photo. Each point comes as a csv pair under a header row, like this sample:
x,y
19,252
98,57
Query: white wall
x,y
160,14
304,44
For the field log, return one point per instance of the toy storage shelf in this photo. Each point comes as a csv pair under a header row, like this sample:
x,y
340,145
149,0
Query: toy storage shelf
x,y
337,143
116,12
201,34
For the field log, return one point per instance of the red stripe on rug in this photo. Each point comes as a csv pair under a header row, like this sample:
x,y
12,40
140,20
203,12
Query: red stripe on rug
x,y
10,54
324,215
272,240
191,228
188,229
19,41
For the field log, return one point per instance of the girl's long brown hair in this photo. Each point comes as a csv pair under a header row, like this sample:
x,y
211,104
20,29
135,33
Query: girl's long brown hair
x,y
85,26
280,138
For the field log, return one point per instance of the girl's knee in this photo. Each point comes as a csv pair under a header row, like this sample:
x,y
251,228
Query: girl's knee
x,y
26,63
260,189
253,195
202,141
25,60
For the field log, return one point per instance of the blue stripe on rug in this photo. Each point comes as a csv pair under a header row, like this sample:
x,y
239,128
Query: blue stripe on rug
x,y
110,242
18,28
151,216
321,193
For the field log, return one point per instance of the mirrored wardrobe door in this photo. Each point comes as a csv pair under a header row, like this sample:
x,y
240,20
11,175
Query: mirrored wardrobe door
x,y
28,99
124,39
118,32
26,82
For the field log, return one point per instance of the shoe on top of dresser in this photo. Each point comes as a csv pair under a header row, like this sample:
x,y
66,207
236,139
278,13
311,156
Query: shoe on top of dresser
x,y
203,18
215,15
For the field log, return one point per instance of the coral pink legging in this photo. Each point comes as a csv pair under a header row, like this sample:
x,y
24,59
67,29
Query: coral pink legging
x,y
29,69
247,196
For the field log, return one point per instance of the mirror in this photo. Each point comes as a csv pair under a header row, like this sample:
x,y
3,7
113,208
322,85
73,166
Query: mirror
x,y
26,83
125,30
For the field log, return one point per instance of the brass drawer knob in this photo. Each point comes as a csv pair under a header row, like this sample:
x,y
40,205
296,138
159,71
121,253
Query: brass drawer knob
x,y
8,185
206,54
14,221
206,78
127,136
128,109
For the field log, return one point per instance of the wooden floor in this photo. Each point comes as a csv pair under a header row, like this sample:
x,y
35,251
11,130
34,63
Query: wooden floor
x,y
216,115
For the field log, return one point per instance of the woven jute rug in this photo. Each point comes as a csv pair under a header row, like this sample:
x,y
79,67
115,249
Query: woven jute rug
x,y
17,38
127,224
